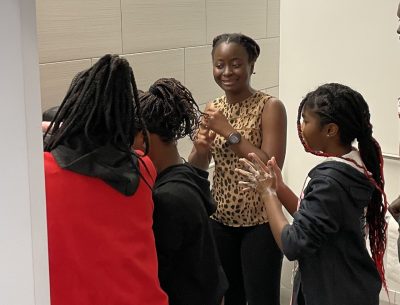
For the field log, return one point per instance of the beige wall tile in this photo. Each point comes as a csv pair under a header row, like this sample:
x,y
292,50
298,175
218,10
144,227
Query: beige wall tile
x,y
162,24
148,67
274,91
75,29
267,65
273,18
55,79
198,75
236,16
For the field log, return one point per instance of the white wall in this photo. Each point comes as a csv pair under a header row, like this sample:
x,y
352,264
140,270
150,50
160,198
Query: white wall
x,y
23,254
351,42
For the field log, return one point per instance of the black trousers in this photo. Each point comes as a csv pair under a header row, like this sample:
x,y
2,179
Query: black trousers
x,y
252,262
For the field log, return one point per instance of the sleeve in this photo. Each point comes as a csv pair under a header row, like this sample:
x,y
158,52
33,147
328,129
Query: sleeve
x,y
319,215
168,230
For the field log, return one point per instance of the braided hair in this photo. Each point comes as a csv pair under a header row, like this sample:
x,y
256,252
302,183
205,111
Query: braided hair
x,y
102,105
251,47
169,110
339,104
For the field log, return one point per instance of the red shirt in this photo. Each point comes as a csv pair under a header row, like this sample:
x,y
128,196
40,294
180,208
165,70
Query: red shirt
x,y
101,243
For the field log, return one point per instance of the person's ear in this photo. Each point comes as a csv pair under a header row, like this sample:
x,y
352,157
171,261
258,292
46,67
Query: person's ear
x,y
332,130
138,143
252,68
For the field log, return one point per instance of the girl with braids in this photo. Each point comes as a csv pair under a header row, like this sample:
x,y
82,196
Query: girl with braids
x,y
244,120
326,236
98,193
189,268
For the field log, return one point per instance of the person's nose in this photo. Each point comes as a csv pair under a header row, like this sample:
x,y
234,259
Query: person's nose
x,y
227,71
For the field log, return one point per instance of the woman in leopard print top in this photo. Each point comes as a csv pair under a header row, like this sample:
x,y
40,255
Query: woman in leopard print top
x,y
242,121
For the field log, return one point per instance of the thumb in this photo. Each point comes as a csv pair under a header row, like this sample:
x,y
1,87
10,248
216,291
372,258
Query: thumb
x,y
211,135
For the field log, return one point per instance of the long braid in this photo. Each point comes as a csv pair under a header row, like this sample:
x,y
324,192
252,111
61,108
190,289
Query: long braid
x,y
169,110
102,105
347,108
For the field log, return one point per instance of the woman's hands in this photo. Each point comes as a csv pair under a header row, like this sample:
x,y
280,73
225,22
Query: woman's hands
x,y
216,121
204,139
256,175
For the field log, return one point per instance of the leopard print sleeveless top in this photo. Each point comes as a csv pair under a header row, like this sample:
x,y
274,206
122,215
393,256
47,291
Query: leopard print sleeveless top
x,y
235,207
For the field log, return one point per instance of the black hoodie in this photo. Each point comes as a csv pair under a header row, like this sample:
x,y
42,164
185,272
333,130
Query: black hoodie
x,y
325,237
189,268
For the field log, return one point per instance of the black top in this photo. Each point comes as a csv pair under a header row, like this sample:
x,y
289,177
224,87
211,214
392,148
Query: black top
x,y
189,268
325,237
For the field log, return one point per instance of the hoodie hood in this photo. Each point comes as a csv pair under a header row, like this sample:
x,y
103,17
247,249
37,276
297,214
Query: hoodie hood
x,y
354,182
195,178
110,163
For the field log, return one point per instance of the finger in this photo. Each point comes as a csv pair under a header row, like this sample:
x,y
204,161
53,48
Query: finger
x,y
211,135
271,169
245,173
246,186
249,166
257,161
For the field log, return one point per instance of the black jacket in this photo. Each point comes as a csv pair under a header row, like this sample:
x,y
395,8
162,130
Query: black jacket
x,y
326,239
189,268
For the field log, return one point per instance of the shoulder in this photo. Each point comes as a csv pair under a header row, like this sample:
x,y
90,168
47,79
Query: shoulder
x,y
178,199
50,164
273,110
272,103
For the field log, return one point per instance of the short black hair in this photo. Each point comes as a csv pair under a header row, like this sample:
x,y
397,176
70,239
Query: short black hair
x,y
251,47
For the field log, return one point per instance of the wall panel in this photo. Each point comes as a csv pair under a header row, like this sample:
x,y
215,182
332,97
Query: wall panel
x,y
236,16
55,79
162,24
148,67
75,29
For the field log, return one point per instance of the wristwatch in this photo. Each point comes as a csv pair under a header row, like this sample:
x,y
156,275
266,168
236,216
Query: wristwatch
x,y
233,138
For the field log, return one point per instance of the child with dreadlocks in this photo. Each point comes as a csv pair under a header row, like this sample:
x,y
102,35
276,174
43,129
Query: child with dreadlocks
x,y
325,237
98,193
189,267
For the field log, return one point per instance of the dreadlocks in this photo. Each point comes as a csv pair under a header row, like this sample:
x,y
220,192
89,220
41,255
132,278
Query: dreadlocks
x,y
339,104
101,104
251,47
169,110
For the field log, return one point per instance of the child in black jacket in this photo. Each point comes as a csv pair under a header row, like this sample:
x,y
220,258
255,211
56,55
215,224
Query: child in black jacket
x,y
326,236
189,268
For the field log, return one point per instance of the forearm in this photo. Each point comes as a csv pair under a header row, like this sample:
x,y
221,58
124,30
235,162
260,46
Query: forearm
x,y
199,160
244,147
276,218
288,198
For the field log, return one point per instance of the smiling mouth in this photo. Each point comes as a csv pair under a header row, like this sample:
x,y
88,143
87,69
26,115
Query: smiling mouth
x,y
228,83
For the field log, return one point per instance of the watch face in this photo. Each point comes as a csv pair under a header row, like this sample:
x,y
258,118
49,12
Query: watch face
x,y
234,138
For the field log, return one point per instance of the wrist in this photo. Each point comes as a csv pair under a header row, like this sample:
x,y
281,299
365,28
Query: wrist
x,y
233,138
268,193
